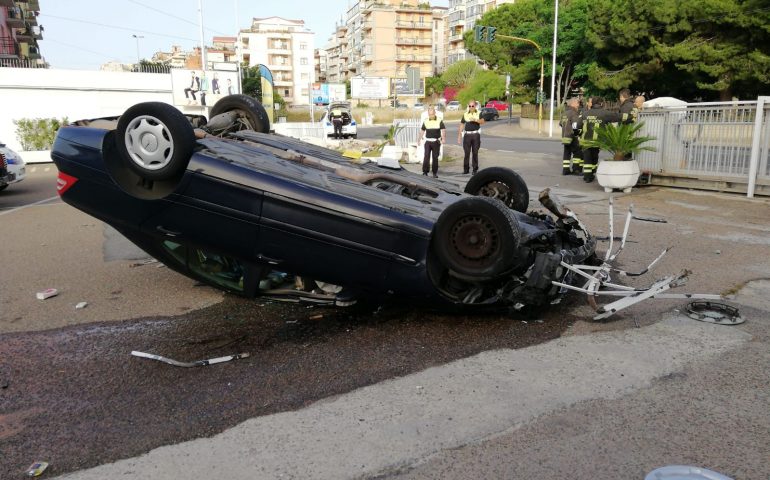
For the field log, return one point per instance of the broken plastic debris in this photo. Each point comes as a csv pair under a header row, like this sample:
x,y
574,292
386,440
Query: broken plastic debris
x,y
81,305
143,262
37,469
198,363
47,293
316,317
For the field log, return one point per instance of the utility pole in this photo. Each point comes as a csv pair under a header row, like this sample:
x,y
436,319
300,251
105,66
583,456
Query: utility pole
x,y
203,43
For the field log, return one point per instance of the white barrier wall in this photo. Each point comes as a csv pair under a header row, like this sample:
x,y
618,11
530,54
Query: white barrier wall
x,y
75,94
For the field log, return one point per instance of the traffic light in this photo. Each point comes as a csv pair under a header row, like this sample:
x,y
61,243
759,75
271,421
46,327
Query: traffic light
x,y
480,33
540,97
491,33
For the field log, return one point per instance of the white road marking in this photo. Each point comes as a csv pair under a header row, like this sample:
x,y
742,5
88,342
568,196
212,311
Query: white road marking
x,y
28,205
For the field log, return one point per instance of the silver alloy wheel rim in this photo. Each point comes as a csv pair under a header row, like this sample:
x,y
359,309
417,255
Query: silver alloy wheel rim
x,y
149,143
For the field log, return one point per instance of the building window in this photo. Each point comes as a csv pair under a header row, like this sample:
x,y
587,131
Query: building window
x,y
286,93
305,76
303,46
303,61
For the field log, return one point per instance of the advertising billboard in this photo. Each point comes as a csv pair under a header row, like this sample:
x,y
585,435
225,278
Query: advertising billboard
x,y
196,87
403,89
325,93
372,88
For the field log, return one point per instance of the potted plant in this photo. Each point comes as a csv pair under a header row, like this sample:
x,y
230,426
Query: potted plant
x,y
621,171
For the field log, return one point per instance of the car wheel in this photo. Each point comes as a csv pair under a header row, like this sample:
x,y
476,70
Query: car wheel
x,y
501,183
477,237
155,139
3,187
251,113
354,136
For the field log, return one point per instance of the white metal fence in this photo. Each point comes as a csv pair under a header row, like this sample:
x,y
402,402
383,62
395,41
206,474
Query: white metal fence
x,y
721,143
301,130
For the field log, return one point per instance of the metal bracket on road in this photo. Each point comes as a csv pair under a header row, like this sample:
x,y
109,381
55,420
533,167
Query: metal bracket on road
x,y
199,363
598,280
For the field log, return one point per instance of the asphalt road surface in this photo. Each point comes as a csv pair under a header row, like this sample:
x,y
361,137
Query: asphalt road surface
x,y
72,394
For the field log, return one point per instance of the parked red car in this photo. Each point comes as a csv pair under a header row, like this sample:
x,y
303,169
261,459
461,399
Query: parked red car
x,y
498,105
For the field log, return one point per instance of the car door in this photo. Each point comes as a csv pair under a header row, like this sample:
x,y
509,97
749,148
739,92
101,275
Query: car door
x,y
211,213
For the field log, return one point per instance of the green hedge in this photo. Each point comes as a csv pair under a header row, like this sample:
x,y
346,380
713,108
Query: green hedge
x,y
37,133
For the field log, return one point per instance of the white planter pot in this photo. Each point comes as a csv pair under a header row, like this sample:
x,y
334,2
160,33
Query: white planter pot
x,y
392,151
620,175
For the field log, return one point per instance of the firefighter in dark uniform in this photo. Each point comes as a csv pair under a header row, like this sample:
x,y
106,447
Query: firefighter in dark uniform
x,y
470,136
595,117
626,106
433,134
336,116
571,123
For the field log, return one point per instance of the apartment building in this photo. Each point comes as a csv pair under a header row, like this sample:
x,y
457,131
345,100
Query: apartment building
x,y
461,18
286,48
440,39
20,33
320,62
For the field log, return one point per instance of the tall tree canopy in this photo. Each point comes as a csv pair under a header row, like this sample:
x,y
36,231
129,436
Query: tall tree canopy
x,y
684,48
707,49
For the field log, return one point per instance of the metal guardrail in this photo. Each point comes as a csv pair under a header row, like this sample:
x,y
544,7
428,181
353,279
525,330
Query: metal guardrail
x,y
722,143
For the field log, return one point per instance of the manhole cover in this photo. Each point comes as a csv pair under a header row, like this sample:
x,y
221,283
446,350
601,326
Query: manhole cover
x,y
714,312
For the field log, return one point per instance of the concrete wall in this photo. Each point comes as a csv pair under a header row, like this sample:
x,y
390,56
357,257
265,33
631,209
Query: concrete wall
x,y
75,94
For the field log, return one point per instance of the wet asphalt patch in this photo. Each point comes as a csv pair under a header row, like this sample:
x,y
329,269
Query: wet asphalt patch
x,y
76,398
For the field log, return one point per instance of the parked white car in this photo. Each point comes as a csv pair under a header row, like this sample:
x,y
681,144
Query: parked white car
x,y
12,167
349,127
453,105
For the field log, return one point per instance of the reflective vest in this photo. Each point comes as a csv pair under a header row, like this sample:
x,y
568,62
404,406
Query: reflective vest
x,y
336,113
432,124
471,117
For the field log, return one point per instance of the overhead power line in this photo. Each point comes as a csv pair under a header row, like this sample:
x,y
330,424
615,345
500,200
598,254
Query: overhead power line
x,y
173,16
116,27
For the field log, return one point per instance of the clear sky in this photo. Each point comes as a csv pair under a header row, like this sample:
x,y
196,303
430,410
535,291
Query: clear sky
x,y
84,34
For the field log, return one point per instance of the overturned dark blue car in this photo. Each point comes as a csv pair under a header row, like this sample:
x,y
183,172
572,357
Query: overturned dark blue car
x,y
227,203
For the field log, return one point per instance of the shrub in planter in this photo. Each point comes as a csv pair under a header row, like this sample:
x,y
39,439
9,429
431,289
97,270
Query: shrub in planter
x,y
620,140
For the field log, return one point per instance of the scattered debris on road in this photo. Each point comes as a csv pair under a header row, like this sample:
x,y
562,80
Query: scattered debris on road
x,y
81,305
36,469
148,261
47,293
714,312
198,363
599,279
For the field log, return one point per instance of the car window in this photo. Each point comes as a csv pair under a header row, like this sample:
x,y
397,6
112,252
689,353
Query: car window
x,y
226,272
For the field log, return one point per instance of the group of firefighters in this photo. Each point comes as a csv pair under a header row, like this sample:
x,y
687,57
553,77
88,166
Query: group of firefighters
x,y
580,123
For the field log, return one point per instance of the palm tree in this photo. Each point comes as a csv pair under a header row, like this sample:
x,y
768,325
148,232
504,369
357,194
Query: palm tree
x,y
620,140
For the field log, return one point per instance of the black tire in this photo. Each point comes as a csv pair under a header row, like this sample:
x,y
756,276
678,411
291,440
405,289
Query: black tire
x,y
155,140
477,237
251,113
354,136
3,187
501,183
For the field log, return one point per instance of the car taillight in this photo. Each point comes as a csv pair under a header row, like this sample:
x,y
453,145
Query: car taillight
x,y
64,183
3,162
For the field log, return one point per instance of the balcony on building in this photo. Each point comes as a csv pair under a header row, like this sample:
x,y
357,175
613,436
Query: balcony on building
x,y
413,41
402,24
405,57
7,3
9,48
368,25
15,18
30,17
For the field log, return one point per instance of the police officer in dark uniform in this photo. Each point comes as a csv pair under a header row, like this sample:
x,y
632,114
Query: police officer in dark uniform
x,y
595,117
433,134
471,141
571,123
336,116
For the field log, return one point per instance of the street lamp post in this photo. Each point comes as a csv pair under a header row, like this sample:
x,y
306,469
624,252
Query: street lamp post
x,y
542,68
553,67
138,57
